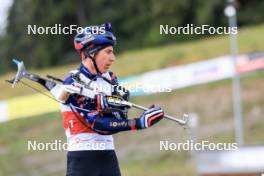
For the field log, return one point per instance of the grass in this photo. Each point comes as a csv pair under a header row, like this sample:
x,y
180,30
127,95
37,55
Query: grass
x,y
15,158
141,151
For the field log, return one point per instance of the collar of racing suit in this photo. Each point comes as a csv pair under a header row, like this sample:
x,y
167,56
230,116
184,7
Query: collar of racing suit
x,y
86,72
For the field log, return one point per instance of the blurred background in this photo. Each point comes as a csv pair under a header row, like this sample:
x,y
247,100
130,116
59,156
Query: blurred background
x,y
141,50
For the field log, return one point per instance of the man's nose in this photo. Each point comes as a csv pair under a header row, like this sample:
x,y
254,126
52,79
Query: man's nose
x,y
112,58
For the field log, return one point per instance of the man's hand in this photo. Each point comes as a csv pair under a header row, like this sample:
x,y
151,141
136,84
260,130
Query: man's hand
x,y
100,102
150,117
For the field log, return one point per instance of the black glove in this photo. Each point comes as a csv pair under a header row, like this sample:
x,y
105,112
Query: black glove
x,y
103,102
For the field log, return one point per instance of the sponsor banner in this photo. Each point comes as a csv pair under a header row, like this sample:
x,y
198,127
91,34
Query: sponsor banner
x,y
3,111
243,160
250,62
181,76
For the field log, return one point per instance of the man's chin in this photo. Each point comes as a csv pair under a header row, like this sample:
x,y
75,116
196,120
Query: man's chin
x,y
104,70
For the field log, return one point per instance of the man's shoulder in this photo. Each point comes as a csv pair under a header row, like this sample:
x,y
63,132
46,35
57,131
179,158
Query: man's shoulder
x,y
68,78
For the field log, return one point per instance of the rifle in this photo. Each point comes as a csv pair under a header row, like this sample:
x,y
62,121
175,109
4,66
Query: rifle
x,y
61,93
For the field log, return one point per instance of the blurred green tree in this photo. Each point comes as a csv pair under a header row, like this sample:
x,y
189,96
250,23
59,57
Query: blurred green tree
x,y
136,24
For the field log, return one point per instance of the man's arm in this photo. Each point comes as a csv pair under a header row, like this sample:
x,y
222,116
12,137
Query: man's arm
x,y
104,125
109,125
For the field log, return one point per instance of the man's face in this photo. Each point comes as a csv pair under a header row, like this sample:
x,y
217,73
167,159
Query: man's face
x,y
105,58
